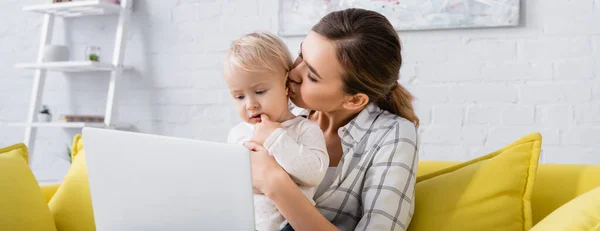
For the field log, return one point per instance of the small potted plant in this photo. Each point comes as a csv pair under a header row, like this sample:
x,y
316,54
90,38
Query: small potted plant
x,y
92,53
69,155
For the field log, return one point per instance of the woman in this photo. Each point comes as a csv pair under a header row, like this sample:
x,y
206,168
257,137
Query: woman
x,y
346,77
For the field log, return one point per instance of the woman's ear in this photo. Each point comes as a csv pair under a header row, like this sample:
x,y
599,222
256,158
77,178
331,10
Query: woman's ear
x,y
356,102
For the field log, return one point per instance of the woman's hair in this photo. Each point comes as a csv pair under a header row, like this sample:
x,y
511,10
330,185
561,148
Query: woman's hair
x,y
259,51
368,49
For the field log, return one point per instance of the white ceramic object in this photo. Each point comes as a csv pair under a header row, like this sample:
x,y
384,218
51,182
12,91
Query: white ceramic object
x,y
56,53
109,1
45,118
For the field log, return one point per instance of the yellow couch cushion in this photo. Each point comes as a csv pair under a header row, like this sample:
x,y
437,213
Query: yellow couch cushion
x,y
492,192
22,204
580,214
427,167
77,146
49,190
71,205
548,195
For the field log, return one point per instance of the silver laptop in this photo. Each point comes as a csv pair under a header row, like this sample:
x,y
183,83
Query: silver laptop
x,y
149,182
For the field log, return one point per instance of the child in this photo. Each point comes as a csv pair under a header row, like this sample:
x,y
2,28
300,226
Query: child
x,y
256,70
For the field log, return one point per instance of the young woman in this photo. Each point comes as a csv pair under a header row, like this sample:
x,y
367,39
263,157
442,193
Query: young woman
x,y
346,77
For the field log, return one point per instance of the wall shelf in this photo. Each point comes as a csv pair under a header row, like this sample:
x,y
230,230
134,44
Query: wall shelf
x,y
59,124
76,9
69,66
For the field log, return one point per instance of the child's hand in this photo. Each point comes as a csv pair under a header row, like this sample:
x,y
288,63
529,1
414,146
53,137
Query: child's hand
x,y
263,129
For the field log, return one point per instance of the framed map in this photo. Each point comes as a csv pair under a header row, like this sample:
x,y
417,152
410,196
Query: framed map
x,y
296,17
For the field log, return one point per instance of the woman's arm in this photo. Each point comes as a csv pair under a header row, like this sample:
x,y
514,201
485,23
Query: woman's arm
x,y
269,178
294,206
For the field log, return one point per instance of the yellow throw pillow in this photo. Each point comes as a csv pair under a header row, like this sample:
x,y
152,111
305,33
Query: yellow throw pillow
x,y
77,146
49,190
492,192
427,167
580,214
22,204
71,205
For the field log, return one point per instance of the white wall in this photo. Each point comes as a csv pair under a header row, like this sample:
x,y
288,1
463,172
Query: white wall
x,y
477,89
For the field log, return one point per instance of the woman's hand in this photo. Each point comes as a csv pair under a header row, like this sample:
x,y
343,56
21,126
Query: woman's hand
x,y
264,167
263,129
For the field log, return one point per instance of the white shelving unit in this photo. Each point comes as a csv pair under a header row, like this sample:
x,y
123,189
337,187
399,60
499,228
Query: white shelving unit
x,y
61,124
69,66
115,67
77,8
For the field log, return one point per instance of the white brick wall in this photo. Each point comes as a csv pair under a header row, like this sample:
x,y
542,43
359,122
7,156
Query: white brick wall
x,y
476,89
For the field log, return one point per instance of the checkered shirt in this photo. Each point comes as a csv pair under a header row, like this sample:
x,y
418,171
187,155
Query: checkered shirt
x,y
374,182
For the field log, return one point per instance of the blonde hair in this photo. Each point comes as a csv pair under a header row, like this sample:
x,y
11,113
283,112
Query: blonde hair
x,y
259,51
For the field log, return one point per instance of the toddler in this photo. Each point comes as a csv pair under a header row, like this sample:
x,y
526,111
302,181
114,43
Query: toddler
x,y
255,70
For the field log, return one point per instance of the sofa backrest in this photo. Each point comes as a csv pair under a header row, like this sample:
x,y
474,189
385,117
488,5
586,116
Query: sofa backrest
x,y
557,184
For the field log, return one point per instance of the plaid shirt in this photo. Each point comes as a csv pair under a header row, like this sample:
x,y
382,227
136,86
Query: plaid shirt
x,y
374,182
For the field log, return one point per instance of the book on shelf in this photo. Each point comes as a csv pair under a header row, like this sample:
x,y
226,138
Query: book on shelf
x,y
82,118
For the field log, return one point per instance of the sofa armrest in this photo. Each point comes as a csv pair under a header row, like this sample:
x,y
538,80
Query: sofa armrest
x,y
49,190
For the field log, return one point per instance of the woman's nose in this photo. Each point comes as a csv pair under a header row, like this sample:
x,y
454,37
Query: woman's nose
x,y
294,77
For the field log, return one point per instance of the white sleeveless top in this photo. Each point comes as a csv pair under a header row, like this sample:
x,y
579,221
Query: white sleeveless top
x,y
327,181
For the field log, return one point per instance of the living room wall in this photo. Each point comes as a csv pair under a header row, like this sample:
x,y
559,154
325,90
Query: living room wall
x,y
476,89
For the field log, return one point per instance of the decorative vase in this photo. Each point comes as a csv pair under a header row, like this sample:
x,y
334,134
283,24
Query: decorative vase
x,y
45,118
56,53
44,115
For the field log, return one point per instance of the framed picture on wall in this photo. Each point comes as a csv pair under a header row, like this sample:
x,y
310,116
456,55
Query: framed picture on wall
x,y
296,17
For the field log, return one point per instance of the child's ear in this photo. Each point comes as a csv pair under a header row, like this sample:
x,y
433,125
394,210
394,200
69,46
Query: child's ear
x,y
356,102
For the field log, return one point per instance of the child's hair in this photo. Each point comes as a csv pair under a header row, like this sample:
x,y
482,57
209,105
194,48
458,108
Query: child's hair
x,y
259,51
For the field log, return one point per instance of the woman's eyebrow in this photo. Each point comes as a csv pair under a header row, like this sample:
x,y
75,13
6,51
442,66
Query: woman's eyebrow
x,y
311,68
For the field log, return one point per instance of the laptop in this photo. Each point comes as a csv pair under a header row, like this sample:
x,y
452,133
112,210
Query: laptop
x,y
150,182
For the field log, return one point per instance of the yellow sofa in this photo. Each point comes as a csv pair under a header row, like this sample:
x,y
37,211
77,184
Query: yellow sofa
x,y
556,184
